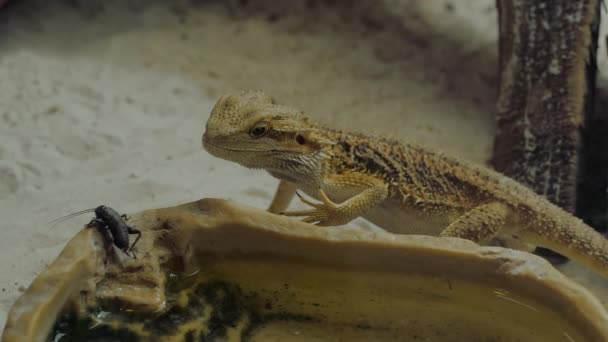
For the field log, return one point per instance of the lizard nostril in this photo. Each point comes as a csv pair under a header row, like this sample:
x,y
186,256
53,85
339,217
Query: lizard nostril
x,y
300,139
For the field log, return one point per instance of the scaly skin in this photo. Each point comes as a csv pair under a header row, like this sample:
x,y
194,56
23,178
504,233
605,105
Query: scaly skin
x,y
401,187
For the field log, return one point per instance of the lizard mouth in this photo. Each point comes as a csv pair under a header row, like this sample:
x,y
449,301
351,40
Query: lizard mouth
x,y
206,143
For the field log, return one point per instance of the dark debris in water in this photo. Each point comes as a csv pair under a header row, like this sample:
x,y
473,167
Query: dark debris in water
x,y
229,306
71,329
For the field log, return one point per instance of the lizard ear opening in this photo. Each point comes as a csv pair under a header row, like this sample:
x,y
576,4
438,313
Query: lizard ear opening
x,y
300,139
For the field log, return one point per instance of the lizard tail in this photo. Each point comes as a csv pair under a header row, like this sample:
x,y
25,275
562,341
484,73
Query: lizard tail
x,y
573,238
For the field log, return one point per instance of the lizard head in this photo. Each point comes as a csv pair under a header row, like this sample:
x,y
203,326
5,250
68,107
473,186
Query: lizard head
x,y
250,129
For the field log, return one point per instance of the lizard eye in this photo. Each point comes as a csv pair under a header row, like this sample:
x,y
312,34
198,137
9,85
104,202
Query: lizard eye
x,y
259,130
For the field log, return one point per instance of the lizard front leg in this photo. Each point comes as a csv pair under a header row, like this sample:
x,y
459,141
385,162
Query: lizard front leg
x,y
285,192
328,213
479,224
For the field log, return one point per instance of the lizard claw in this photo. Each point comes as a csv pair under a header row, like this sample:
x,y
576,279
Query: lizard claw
x,y
298,213
310,219
325,213
310,203
315,216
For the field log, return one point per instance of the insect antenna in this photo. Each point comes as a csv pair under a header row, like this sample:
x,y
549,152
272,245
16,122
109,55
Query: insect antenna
x,y
66,217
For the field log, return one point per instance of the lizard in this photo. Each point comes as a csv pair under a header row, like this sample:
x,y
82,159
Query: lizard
x,y
400,186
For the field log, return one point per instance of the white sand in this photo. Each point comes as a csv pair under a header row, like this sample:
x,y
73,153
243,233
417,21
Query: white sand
x,y
109,107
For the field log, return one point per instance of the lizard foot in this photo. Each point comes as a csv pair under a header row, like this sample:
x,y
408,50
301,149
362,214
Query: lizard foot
x,y
326,213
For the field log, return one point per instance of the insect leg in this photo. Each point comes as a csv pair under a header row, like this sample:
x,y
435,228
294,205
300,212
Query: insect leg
x,y
135,231
132,230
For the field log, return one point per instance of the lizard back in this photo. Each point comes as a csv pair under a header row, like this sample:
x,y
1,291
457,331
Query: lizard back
x,y
419,175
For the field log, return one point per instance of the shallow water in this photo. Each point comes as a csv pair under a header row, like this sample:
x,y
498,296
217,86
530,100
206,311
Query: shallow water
x,y
258,299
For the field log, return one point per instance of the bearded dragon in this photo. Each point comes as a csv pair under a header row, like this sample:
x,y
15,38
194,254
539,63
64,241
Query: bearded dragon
x,y
399,186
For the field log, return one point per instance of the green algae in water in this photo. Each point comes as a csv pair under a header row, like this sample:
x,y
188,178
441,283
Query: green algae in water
x,y
214,310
